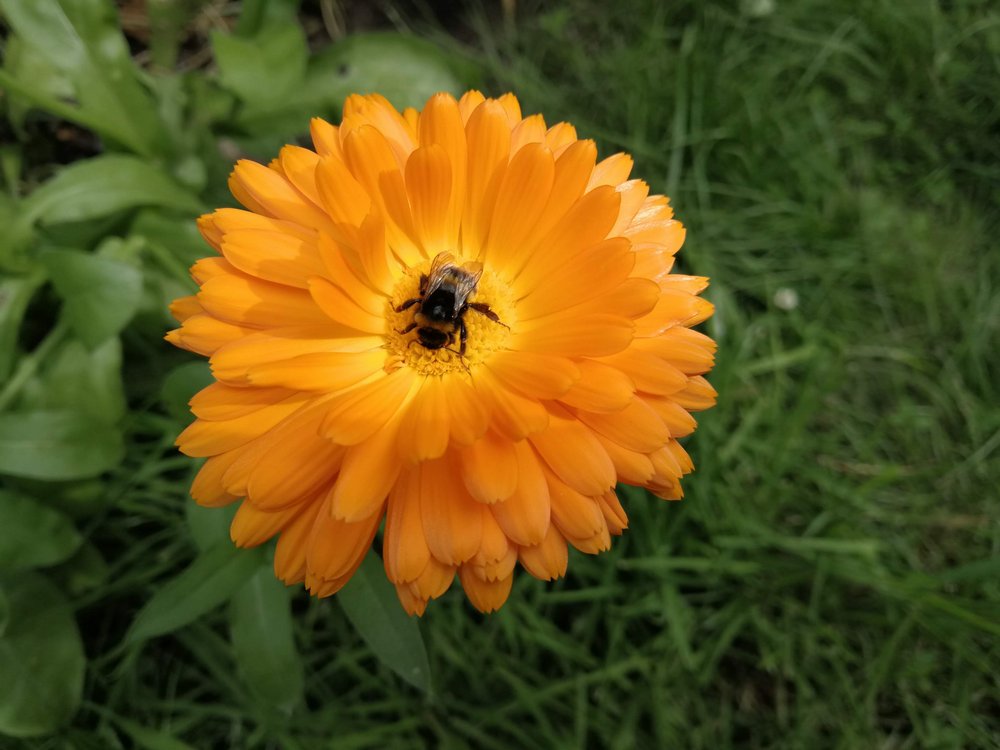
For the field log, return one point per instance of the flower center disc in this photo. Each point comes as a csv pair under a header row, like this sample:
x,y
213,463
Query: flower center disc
x,y
483,335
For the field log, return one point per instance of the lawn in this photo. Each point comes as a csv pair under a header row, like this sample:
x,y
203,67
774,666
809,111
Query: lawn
x,y
830,578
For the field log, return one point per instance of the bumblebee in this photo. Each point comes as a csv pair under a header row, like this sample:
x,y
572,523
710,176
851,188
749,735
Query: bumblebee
x,y
443,302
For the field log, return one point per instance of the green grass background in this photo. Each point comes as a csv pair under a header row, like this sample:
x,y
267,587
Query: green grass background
x,y
831,579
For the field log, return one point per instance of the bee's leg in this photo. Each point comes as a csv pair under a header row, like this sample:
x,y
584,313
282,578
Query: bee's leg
x,y
408,304
483,308
408,328
463,336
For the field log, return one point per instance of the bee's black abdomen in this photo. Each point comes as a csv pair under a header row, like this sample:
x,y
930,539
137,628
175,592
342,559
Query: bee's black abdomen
x,y
440,306
432,338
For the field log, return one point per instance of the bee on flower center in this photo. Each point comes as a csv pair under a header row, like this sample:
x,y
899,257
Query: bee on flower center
x,y
443,302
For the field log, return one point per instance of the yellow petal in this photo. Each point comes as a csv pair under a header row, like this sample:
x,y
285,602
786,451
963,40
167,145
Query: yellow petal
x,y
426,423
252,527
514,415
319,371
339,307
244,300
600,388
272,256
325,137
290,552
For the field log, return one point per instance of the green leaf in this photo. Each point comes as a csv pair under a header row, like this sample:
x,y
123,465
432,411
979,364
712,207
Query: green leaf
x,y
4,612
404,69
370,603
100,294
82,39
15,294
33,535
260,623
205,584
209,526
41,658
181,384
79,379
102,186
57,445
264,69
84,571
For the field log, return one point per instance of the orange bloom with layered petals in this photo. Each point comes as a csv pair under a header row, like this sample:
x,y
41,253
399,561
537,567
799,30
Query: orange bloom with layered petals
x,y
455,320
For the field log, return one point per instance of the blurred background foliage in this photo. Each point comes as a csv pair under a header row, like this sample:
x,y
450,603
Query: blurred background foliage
x,y
831,579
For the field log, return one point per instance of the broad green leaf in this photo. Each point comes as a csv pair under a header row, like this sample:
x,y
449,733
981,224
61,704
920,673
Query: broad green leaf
x,y
370,603
205,584
404,69
260,623
257,16
41,658
57,445
82,39
25,63
265,69
100,294
209,526
4,612
78,379
15,294
181,384
102,186
33,535
178,236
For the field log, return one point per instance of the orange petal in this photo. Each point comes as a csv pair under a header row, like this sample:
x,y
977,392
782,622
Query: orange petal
x,y
486,596
208,488
698,395
355,416
636,427
576,515
325,137
339,307
516,416
614,513
674,308
343,197
612,171
648,372
533,374
318,371
219,401
272,256
523,193
433,581
691,352
429,187
277,198
470,417
678,421
630,467
524,516
528,132
367,475
335,547
244,300
497,555
575,455
203,438
548,559
452,520
412,603
489,468
425,426
441,124
299,167
293,544
601,388
586,335
252,527
404,549
488,137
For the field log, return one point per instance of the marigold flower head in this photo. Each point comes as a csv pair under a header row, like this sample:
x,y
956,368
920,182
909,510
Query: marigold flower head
x,y
455,320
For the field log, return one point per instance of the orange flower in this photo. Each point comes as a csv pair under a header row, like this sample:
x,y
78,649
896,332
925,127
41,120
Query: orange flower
x,y
457,320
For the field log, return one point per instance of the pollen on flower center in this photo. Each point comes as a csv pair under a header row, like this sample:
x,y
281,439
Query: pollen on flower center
x,y
416,347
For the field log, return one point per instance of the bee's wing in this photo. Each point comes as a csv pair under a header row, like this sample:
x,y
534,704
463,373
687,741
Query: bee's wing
x,y
466,280
439,272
